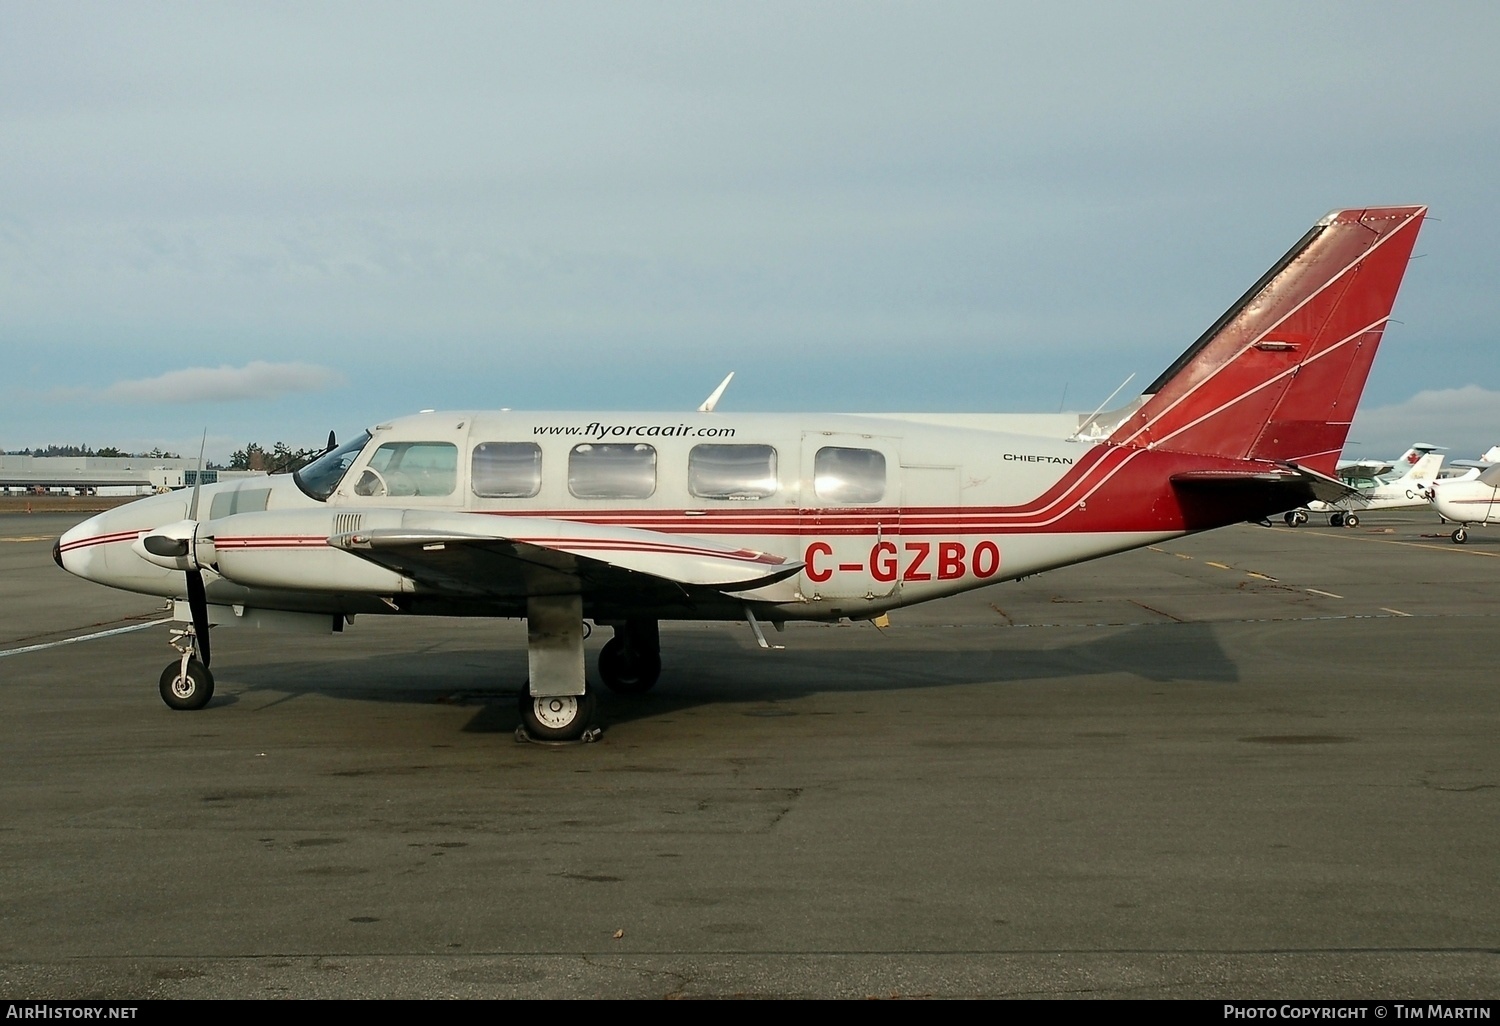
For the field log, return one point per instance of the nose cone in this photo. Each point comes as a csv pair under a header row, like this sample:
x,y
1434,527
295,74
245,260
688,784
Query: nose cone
x,y
100,548
80,551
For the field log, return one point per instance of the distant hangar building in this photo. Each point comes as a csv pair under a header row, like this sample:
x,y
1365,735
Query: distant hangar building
x,y
86,475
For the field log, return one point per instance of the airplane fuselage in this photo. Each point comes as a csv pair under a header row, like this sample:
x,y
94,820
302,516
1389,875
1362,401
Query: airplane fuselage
x,y
880,511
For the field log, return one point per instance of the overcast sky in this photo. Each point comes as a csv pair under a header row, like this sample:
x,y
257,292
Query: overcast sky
x,y
276,219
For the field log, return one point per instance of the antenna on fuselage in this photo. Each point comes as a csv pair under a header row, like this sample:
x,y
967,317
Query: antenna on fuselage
x,y
713,399
1090,419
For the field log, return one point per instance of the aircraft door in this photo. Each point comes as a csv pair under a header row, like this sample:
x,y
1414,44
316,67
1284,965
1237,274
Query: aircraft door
x,y
851,515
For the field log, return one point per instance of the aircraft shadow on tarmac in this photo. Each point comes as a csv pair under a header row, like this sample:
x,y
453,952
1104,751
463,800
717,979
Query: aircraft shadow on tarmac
x,y
703,669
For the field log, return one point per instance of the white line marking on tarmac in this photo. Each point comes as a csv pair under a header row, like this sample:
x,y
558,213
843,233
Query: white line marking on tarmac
x,y
1326,594
1395,612
84,637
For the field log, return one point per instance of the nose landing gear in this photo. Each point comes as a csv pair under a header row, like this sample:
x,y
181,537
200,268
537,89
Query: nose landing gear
x,y
186,683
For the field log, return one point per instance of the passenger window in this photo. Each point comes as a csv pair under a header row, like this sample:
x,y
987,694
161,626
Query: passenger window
x,y
506,470
843,476
410,468
612,470
732,471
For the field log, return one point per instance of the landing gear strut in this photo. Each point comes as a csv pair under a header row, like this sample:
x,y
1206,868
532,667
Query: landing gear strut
x,y
1460,535
555,704
630,662
186,683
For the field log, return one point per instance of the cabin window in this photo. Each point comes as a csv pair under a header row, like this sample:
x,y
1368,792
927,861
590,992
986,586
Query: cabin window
x,y
410,468
842,476
506,470
612,470
732,471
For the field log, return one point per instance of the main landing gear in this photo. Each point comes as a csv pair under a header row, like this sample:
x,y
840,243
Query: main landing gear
x,y
562,708
630,662
1295,518
557,704
186,683
556,717
1343,520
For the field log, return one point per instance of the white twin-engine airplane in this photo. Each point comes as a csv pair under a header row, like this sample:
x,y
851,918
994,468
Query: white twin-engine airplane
x,y
628,519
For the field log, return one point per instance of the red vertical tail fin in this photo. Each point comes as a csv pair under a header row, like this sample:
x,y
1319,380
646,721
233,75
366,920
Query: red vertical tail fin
x,y
1279,375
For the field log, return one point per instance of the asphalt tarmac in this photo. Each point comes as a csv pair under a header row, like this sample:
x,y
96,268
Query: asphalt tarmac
x,y
1254,763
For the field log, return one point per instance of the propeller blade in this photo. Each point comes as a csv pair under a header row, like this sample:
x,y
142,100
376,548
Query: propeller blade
x,y
197,482
198,603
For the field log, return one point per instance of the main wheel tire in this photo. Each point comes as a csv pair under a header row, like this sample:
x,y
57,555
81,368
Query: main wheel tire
x,y
186,692
1351,520
1460,536
1336,520
625,672
558,718
1299,518
1291,519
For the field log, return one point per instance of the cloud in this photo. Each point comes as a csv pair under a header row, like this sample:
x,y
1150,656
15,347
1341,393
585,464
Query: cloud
x,y
256,380
1466,420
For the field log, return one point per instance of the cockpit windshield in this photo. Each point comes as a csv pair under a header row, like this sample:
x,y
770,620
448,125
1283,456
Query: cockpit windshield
x,y
320,477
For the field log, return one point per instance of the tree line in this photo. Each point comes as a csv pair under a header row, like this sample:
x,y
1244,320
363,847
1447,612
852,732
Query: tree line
x,y
278,459
85,450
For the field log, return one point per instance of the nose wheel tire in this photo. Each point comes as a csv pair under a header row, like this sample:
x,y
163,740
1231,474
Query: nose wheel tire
x,y
1460,536
556,718
186,691
627,672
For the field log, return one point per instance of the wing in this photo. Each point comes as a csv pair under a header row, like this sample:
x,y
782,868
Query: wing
x,y
451,556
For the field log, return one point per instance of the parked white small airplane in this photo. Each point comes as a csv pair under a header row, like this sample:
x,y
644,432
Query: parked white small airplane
x,y
627,519
1364,473
1468,501
1395,490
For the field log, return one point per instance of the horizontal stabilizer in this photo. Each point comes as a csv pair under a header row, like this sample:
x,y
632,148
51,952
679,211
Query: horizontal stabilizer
x,y
1294,485
1324,488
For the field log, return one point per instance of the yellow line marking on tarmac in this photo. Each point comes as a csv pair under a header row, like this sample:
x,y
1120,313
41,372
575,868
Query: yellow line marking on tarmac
x,y
1181,555
1327,594
1394,612
1263,577
1459,549
1221,566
